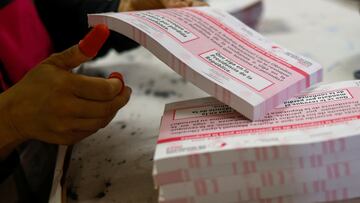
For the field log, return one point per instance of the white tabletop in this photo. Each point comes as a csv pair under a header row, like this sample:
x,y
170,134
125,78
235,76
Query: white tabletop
x,y
115,164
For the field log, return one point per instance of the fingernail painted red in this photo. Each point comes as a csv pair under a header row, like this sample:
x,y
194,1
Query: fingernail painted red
x,y
94,40
118,76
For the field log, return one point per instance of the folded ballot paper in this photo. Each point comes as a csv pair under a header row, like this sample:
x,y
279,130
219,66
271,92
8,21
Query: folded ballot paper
x,y
219,54
304,150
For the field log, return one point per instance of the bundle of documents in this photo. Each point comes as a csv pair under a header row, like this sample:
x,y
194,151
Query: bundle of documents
x,y
299,147
305,150
219,54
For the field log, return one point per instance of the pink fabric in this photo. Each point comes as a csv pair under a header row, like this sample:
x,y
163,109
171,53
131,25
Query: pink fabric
x,y
24,41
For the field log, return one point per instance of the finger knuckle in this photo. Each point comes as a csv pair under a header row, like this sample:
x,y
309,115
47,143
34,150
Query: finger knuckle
x,y
55,59
108,91
63,107
61,127
55,108
109,109
64,80
61,84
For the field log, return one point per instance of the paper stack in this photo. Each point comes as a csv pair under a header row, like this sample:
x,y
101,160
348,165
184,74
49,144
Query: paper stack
x,y
220,55
305,150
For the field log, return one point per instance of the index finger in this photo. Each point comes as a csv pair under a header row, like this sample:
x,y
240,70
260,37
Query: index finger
x,y
97,89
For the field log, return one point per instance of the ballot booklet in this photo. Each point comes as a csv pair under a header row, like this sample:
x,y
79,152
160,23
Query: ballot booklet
x,y
304,150
219,54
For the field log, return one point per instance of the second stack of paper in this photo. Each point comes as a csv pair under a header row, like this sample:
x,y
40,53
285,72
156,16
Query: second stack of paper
x,y
303,151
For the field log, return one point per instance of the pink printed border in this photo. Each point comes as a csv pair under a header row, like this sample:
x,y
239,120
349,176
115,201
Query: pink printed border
x,y
258,130
252,46
169,34
272,83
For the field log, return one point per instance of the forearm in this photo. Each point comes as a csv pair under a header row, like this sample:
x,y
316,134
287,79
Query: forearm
x,y
9,139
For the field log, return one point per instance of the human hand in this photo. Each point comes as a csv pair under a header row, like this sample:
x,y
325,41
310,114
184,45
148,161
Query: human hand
x,y
53,105
135,5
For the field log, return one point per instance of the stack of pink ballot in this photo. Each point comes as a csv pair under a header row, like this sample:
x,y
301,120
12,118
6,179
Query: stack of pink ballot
x,y
305,150
220,55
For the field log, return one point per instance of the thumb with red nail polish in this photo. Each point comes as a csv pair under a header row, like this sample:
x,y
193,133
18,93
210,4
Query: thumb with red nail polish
x,y
84,51
93,41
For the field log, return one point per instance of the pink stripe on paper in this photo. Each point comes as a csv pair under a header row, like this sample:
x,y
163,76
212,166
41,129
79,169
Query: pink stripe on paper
x,y
322,185
333,195
258,193
347,169
319,160
228,97
292,176
329,172
301,162
258,154
209,159
332,146
313,161
204,187
250,193
215,186
270,178
185,71
254,130
328,195
336,170
246,167
234,168
186,175
325,148
281,177
265,153
169,177
275,151
342,144
253,166
263,180
191,161
198,187
197,160
305,189
345,193
316,186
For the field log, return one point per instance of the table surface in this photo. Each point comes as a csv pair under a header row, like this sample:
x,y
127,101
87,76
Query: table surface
x,y
115,164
